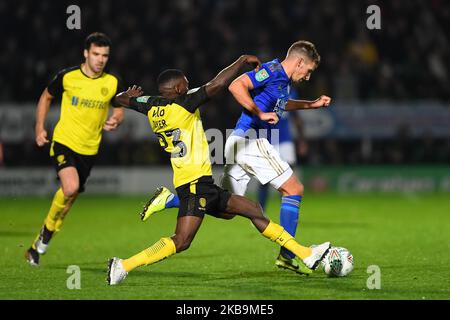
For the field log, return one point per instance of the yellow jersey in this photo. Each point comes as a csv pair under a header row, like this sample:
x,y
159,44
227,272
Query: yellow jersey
x,y
177,124
85,104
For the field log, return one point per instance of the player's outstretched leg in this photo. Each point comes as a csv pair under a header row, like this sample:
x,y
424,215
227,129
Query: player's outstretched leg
x,y
187,227
160,200
311,256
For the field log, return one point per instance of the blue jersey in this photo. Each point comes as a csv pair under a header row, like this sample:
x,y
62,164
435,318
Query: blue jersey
x,y
284,131
271,88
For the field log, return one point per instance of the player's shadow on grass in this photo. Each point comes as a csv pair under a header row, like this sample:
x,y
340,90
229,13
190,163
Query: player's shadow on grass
x,y
233,283
8,233
197,256
170,275
336,225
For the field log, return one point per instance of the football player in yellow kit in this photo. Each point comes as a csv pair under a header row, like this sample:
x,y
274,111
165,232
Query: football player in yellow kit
x,y
86,92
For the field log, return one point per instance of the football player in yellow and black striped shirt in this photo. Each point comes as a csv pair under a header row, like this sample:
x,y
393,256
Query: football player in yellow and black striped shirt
x,y
175,119
86,93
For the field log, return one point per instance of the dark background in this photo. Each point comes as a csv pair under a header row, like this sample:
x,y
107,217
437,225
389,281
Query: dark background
x,y
405,62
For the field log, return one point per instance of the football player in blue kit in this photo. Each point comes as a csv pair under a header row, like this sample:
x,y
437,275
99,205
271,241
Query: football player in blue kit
x,y
288,145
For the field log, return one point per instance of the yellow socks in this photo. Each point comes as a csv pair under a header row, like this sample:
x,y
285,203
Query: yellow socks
x,y
54,218
276,233
162,249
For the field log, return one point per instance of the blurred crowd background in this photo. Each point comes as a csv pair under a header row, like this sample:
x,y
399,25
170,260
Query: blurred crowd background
x,y
406,62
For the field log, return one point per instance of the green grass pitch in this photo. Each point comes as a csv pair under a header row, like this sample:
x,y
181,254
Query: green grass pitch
x,y
406,236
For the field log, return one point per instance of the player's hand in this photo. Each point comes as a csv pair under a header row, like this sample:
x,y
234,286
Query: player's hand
x,y
134,91
323,101
270,117
41,137
111,124
252,61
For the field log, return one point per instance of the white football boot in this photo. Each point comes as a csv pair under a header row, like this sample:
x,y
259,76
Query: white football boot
x,y
318,253
116,272
41,248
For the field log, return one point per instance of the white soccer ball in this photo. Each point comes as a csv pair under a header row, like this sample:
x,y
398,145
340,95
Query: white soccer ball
x,y
338,262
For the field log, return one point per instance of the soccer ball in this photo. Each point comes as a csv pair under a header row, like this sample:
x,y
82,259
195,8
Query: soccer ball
x,y
338,262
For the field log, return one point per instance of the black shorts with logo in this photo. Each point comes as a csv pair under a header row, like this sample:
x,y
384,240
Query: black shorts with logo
x,y
202,196
63,157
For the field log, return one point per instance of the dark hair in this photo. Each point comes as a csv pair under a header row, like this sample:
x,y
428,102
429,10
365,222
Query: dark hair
x,y
168,75
305,48
97,38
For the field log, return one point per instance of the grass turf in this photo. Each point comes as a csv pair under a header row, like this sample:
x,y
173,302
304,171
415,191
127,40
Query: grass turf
x,y
407,236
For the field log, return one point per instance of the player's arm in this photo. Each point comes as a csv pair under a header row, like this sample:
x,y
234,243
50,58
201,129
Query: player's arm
x,y
54,88
322,101
129,99
124,98
240,89
198,96
114,120
224,77
41,114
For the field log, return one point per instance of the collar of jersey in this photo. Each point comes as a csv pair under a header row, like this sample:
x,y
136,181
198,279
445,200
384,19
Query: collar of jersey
x,y
84,74
284,72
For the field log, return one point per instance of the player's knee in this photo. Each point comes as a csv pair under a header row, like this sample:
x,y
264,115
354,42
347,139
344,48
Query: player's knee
x,y
70,190
227,216
292,189
299,189
253,211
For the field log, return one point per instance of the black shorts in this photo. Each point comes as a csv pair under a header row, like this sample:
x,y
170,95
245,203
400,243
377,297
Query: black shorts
x,y
63,157
202,196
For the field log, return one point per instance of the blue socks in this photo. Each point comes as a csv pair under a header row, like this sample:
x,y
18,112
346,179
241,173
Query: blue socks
x,y
173,201
290,207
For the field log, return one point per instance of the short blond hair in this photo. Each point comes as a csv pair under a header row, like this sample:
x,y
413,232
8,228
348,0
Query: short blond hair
x,y
305,48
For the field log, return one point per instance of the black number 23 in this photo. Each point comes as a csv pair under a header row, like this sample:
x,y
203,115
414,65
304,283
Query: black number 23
x,y
175,134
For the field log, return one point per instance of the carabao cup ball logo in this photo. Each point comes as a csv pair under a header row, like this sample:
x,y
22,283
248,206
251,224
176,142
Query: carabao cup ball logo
x,y
332,263
334,260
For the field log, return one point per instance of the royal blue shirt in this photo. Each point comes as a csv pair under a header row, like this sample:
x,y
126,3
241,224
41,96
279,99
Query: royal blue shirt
x,y
271,88
284,131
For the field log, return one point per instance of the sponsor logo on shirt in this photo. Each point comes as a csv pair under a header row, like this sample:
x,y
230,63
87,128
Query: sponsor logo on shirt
x,y
143,99
261,75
